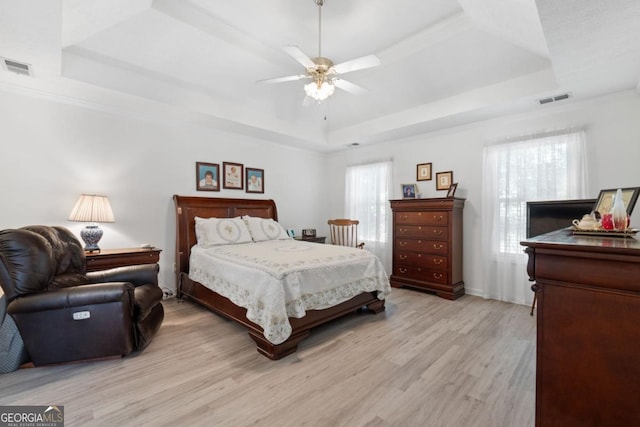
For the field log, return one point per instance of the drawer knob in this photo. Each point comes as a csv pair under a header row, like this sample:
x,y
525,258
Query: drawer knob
x,y
438,218
402,270
438,246
437,275
438,232
437,261
402,243
402,256
403,230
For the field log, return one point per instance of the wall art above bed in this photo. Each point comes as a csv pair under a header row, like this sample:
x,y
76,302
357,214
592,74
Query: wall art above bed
x,y
233,175
255,180
207,176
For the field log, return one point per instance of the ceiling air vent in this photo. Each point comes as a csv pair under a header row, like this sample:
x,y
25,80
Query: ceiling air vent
x,y
554,98
16,67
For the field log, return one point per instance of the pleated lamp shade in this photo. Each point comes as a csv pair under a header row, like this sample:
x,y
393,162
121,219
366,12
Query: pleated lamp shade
x,y
92,208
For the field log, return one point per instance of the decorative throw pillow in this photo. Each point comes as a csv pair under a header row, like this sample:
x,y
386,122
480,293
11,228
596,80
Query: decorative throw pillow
x,y
221,231
262,229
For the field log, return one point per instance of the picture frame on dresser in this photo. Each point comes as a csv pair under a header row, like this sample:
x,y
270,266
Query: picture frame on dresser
x,y
604,203
452,190
409,191
207,176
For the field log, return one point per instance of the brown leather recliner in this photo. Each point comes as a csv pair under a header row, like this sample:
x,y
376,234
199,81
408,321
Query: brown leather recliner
x,y
64,313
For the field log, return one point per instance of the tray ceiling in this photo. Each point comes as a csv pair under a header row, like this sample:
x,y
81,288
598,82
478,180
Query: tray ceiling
x,y
444,62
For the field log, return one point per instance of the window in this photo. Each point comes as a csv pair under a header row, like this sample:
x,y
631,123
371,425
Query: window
x,y
367,190
550,166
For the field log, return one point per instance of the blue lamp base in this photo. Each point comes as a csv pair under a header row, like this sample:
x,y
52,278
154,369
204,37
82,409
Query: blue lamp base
x,y
91,235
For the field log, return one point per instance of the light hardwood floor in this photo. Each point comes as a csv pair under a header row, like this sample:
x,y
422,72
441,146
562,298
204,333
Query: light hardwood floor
x,y
425,362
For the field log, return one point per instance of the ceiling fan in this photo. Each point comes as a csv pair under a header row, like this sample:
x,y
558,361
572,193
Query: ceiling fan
x,y
325,76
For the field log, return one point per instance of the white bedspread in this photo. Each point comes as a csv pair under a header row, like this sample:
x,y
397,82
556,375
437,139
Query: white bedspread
x,y
278,279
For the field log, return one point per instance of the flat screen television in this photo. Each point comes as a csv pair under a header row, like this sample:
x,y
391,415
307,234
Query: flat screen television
x,y
547,216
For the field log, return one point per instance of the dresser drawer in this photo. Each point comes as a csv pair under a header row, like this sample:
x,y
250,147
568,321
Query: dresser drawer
x,y
431,218
423,245
422,260
421,273
424,231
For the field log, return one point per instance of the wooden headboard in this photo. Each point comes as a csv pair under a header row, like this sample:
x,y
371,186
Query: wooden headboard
x,y
188,208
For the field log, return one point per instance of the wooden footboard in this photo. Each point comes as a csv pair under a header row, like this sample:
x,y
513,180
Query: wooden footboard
x,y
301,328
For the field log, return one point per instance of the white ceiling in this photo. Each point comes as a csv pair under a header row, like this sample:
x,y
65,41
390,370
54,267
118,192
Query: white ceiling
x,y
444,62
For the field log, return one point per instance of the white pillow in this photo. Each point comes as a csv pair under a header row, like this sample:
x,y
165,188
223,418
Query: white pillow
x,y
221,231
262,229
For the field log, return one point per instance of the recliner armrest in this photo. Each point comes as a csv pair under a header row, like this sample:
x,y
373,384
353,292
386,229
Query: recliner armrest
x,y
145,274
76,296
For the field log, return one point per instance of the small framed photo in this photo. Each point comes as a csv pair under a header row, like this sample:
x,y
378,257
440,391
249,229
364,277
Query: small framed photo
x,y
423,172
255,180
604,204
232,174
207,176
452,189
409,191
444,180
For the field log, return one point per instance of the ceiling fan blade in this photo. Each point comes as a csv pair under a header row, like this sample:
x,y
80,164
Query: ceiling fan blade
x,y
300,56
349,87
282,79
357,64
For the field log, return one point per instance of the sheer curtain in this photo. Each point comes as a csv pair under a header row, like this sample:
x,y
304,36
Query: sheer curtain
x,y
550,166
367,191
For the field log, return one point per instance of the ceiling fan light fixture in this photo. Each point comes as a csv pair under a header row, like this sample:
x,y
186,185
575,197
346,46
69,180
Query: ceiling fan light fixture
x,y
319,92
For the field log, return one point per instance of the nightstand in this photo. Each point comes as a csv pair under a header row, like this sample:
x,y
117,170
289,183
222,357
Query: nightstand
x,y
318,239
111,258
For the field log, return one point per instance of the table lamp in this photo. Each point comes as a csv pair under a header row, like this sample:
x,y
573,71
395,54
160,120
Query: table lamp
x,y
92,208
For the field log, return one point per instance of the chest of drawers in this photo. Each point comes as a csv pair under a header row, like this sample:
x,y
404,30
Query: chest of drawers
x,y
427,245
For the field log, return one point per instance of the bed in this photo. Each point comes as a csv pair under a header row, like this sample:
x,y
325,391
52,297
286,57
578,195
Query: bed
x,y
282,338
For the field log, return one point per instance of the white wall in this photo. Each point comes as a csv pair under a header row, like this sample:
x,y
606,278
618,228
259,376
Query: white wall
x,y
52,152
613,138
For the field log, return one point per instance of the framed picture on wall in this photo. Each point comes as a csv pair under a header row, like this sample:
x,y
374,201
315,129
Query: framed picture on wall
x,y
232,174
423,172
207,176
444,180
255,180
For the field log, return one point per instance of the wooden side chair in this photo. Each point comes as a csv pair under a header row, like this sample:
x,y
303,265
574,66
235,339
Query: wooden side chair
x,y
344,232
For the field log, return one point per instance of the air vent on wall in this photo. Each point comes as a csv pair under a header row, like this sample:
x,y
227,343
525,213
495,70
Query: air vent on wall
x,y
16,67
554,98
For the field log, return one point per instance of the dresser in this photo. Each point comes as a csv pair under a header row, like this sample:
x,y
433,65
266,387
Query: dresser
x,y
427,245
588,329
